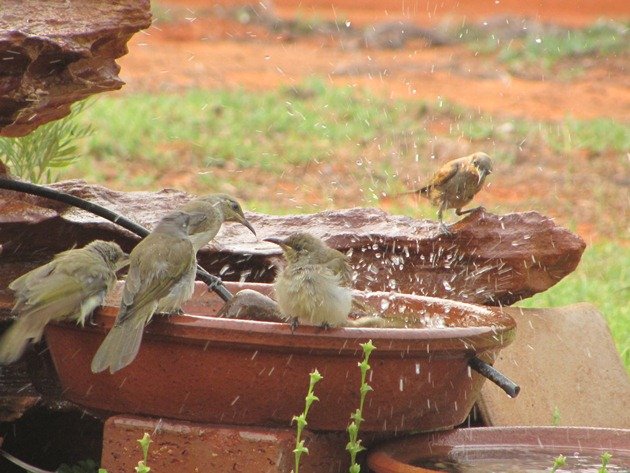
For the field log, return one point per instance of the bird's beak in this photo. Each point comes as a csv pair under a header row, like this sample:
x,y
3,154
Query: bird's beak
x,y
483,174
243,221
122,262
278,241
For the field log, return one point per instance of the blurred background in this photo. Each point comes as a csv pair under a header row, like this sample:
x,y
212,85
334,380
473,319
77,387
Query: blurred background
x,y
304,106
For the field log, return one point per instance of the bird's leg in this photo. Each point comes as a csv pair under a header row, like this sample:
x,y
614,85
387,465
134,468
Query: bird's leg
x,y
294,324
90,320
464,212
177,311
324,326
444,230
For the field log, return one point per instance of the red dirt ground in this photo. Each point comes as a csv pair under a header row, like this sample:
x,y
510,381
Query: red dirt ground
x,y
202,49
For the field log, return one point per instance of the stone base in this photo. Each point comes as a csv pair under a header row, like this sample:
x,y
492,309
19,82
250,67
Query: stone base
x,y
566,363
186,447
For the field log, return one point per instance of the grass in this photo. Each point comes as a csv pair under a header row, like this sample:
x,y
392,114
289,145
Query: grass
x,y
302,125
269,130
603,279
602,38
545,46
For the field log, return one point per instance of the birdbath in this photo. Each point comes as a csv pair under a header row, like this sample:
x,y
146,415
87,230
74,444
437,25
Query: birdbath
x,y
202,368
245,374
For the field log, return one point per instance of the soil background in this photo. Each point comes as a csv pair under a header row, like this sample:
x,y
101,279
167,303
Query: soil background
x,y
205,44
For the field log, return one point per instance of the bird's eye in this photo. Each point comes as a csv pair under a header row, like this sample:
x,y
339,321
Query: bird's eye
x,y
234,206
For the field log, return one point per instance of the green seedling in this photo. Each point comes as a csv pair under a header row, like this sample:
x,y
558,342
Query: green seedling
x,y
354,445
300,420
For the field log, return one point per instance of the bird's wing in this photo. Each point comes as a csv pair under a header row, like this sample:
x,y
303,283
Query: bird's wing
x,y
23,286
153,275
70,275
443,174
60,295
339,266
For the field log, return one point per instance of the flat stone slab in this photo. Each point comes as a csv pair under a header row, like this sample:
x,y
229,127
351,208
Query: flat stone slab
x,y
565,361
488,259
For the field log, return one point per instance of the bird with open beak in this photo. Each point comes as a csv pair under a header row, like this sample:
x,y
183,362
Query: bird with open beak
x,y
456,183
314,286
69,287
164,260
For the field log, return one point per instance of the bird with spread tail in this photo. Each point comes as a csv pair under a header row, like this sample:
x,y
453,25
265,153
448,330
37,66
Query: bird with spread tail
x,y
456,183
69,287
162,263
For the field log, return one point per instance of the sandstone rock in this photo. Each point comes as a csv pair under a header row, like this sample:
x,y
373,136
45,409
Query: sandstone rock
x,y
57,52
489,259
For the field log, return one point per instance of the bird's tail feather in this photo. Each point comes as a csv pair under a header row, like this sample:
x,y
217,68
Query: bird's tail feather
x,y
14,341
119,348
424,191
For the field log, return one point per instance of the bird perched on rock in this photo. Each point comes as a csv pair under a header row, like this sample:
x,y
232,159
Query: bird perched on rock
x,y
314,286
218,208
163,262
456,183
70,287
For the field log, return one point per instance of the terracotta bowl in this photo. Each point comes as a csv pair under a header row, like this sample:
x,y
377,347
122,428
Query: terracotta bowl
x,y
207,369
503,449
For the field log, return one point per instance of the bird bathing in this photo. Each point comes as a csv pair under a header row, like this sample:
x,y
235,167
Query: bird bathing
x,y
194,366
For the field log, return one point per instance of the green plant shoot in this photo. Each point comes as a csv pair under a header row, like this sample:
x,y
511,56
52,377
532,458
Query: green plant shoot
x,y
605,459
354,445
53,145
555,417
144,444
559,461
300,420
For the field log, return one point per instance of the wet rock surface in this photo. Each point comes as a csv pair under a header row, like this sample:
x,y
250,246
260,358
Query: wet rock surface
x,y
488,259
57,52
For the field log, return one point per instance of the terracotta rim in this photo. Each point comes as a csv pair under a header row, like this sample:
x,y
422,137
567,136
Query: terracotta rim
x,y
495,329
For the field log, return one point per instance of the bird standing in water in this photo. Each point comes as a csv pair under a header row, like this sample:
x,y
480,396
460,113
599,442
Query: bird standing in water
x,y
70,287
161,263
314,286
456,183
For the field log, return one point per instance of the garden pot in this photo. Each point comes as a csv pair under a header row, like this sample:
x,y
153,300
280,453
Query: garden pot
x,y
202,368
503,450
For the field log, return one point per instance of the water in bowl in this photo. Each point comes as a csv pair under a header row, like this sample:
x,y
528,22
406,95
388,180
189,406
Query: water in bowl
x,y
523,460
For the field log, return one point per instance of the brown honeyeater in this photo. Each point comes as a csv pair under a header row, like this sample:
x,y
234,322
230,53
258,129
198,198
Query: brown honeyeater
x,y
69,287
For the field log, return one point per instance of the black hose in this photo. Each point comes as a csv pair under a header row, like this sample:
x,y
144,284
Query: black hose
x,y
510,387
214,283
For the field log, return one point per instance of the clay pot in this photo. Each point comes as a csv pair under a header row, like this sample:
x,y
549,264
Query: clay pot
x,y
517,448
207,369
